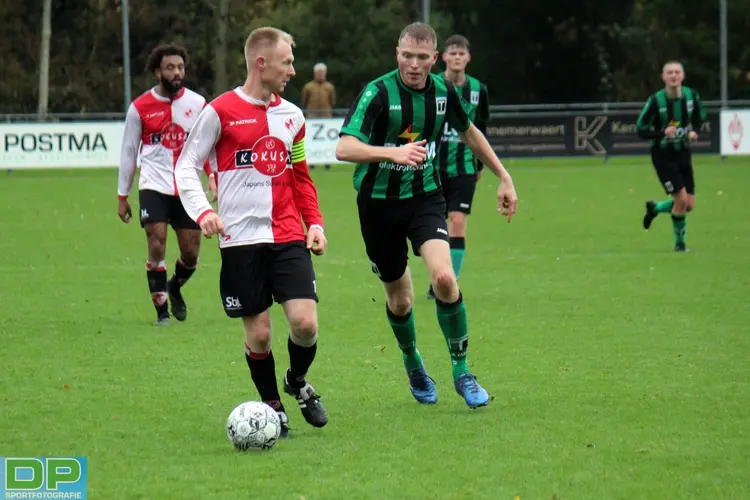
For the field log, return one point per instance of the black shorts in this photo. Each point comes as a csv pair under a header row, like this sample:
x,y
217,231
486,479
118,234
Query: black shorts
x,y
252,276
386,226
458,192
159,207
674,169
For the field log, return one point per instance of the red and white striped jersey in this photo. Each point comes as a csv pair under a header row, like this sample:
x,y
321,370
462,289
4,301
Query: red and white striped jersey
x,y
265,189
158,126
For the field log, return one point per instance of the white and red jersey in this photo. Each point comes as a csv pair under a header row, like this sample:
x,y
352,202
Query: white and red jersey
x,y
157,126
265,189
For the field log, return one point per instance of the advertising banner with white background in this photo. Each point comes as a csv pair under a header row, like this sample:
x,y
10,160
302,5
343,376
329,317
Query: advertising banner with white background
x,y
26,145
735,132
60,145
97,144
321,137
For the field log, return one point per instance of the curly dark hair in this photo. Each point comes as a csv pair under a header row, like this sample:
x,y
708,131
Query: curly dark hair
x,y
154,58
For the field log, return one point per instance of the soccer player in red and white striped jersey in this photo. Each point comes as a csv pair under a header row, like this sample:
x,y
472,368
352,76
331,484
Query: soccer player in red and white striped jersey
x,y
266,199
156,126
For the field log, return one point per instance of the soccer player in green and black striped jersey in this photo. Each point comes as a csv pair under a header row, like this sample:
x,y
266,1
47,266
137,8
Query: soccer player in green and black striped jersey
x,y
459,169
670,119
391,133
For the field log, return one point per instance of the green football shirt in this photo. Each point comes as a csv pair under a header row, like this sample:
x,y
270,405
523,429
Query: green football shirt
x,y
454,157
389,113
686,113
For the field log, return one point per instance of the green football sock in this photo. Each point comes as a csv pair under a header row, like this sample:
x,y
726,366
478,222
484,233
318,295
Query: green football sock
x,y
679,224
453,323
405,331
663,207
458,247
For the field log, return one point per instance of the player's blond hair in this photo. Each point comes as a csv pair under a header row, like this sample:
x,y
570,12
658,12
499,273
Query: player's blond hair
x,y
419,32
263,38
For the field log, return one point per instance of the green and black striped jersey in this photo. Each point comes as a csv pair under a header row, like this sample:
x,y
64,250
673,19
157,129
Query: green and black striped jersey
x,y
685,113
454,157
389,113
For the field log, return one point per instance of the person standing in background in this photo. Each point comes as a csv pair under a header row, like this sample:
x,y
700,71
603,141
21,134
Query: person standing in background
x,y
319,96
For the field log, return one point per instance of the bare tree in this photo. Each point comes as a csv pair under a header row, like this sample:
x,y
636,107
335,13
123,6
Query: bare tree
x,y
44,58
220,48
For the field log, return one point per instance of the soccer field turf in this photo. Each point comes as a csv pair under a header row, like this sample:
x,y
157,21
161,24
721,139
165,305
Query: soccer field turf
x,y
619,369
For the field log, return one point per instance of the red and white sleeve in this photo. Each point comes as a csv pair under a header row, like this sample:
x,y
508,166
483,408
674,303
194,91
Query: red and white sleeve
x,y
131,142
210,166
305,194
193,158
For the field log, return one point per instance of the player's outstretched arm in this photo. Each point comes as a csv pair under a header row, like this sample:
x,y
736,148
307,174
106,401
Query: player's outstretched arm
x,y
482,118
506,194
193,157
481,148
306,196
131,140
353,150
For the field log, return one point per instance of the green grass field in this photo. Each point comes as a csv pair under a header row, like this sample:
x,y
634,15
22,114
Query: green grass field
x,y
619,369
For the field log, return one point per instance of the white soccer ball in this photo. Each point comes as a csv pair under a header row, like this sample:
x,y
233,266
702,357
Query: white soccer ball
x,y
253,425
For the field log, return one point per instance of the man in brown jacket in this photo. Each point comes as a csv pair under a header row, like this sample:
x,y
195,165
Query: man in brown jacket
x,y
319,96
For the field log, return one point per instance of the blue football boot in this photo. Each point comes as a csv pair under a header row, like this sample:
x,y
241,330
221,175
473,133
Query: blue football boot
x,y
422,386
473,393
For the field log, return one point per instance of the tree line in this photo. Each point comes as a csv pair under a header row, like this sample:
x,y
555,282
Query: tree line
x,y
545,51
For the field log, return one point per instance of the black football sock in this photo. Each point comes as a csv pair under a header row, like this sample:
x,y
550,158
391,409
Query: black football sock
x,y
263,372
156,274
182,272
301,355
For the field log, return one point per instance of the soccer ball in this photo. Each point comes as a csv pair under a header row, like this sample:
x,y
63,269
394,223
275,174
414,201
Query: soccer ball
x,y
253,425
